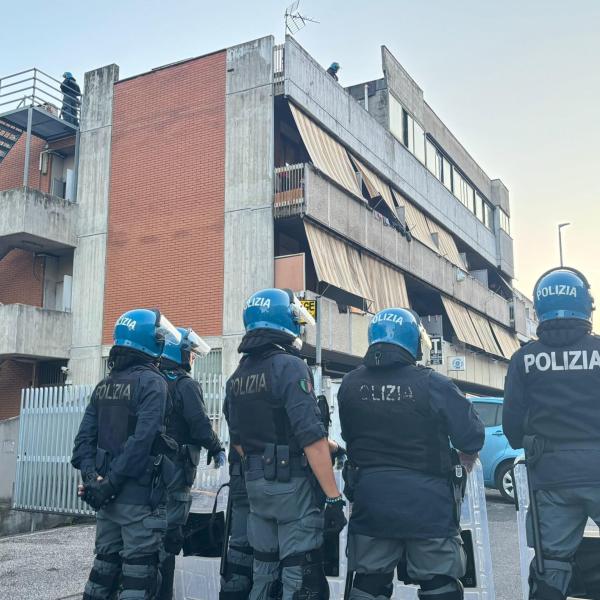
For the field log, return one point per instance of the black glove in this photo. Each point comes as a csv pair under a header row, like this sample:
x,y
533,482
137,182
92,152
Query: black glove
x,y
98,493
218,456
335,520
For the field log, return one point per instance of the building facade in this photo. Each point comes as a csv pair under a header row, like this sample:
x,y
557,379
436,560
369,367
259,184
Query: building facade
x,y
189,187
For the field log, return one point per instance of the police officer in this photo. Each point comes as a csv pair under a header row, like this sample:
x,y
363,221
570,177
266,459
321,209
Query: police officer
x,y
189,425
398,420
114,452
275,424
552,409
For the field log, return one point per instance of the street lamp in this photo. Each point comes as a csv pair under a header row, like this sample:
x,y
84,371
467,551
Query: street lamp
x,y
560,248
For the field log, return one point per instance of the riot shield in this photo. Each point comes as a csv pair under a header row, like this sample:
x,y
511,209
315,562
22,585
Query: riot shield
x,y
587,558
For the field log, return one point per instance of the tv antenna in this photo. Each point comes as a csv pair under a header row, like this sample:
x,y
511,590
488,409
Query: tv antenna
x,y
294,21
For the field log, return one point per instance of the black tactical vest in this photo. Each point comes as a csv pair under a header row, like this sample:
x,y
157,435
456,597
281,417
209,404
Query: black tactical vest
x,y
562,389
261,416
115,400
387,420
176,425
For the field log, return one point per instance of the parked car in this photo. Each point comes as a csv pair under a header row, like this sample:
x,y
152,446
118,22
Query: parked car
x,y
497,457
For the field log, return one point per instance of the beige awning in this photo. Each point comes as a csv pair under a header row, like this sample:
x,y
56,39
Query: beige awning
x,y
461,323
418,225
327,155
337,263
507,340
484,330
387,285
447,246
375,185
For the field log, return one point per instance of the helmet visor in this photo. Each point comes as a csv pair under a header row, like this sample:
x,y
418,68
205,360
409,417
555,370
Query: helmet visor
x,y
165,328
300,313
196,344
424,338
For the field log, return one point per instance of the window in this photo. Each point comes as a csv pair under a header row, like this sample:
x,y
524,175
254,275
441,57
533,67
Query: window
x,y
504,221
458,185
396,119
434,160
469,197
446,173
478,206
487,412
488,216
419,142
409,134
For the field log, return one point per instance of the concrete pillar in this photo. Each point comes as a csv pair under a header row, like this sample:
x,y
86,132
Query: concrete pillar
x,y
249,166
89,263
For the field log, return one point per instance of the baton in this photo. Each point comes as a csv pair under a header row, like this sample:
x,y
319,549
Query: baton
x,y
535,523
226,534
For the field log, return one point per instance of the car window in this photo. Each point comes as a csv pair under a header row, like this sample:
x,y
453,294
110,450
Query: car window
x,y
487,412
499,415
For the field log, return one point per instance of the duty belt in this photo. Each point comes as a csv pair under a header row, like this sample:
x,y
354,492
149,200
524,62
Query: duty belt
x,y
257,466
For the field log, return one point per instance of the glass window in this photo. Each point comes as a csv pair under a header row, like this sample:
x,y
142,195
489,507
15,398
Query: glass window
x,y
487,413
396,119
409,132
470,197
446,173
504,221
478,206
431,157
419,142
489,216
458,184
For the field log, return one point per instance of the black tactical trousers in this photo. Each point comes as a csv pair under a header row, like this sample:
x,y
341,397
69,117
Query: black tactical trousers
x,y
128,540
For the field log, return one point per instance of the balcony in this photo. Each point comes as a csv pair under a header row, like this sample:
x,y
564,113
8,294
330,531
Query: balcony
x,y
300,190
29,331
37,222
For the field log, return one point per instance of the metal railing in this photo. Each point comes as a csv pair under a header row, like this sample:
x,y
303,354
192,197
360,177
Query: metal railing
x,y
49,421
38,89
278,68
45,480
289,190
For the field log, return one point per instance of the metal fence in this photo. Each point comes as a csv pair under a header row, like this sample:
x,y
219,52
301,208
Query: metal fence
x,y
36,88
50,418
278,68
289,190
45,480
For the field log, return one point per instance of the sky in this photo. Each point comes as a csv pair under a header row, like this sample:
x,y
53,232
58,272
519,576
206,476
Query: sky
x,y
518,82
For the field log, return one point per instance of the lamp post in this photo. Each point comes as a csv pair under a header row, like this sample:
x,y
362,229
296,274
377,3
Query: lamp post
x,y
560,247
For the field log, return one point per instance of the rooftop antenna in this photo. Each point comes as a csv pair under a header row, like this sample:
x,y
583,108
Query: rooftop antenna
x,y
294,21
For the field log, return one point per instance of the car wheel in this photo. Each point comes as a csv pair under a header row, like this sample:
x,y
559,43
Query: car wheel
x,y
504,481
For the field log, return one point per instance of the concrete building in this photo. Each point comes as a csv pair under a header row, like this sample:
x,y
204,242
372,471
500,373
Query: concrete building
x,y
193,185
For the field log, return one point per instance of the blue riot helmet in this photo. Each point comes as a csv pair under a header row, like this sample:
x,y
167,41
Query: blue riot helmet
x,y
400,327
563,293
335,67
145,330
190,343
68,75
276,310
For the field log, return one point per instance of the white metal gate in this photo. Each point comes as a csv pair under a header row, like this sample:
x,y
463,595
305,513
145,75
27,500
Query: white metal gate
x,y
49,421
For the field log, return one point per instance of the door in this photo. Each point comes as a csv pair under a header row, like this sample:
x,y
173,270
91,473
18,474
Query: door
x,y
495,441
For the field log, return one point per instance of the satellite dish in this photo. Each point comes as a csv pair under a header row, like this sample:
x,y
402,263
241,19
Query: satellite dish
x,y
294,21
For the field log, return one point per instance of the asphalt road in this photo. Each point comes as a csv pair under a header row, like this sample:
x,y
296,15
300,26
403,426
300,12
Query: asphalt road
x,y
502,519
55,564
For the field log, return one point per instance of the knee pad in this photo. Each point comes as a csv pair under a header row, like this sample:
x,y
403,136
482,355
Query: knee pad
x,y
441,587
314,582
105,575
540,590
141,573
174,540
375,584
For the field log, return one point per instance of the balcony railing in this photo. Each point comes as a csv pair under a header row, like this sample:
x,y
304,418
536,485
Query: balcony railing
x,y
289,191
278,68
40,90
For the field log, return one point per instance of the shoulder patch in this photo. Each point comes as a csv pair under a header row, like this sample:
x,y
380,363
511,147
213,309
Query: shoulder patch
x,y
306,386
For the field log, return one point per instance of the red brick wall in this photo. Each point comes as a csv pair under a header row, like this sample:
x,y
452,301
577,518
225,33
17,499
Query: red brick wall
x,y
11,167
14,376
21,278
165,238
